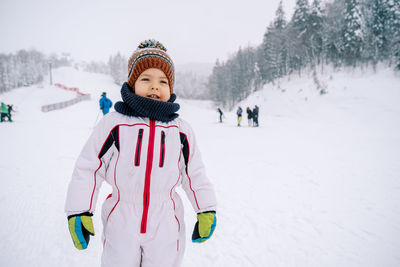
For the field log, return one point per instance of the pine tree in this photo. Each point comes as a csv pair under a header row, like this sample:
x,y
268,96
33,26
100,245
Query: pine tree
x,y
280,43
299,36
217,84
244,74
118,68
2,73
393,29
316,32
233,81
377,35
339,34
272,57
280,20
332,33
268,56
352,32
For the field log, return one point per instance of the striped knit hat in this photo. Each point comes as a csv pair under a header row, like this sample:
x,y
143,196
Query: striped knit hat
x,y
150,54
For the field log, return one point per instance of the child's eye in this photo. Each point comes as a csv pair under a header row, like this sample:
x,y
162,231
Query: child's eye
x,y
165,82
145,79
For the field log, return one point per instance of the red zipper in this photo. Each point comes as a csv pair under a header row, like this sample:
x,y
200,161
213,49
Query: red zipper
x,y
149,165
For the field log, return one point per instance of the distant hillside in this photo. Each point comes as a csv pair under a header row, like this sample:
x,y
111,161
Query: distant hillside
x,y
191,80
313,92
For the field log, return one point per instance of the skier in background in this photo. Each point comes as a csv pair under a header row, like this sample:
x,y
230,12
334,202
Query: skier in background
x,y
105,103
4,111
249,115
239,114
10,109
220,114
255,116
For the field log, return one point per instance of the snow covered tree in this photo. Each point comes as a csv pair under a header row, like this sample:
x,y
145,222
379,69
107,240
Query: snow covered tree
x,y
3,73
352,32
393,29
332,32
337,34
21,69
272,56
299,36
377,33
190,84
245,59
217,84
97,67
280,20
268,62
118,68
315,24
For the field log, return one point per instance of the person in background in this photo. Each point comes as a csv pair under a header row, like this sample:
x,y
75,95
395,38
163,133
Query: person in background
x,y
105,103
239,114
255,116
4,111
220,114
249,115
10,109
144,151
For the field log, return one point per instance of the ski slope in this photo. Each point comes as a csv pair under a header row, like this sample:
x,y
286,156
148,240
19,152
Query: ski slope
x,y
317,184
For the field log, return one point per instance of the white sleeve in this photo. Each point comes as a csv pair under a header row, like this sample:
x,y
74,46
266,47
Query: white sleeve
x,y
195,182
89,172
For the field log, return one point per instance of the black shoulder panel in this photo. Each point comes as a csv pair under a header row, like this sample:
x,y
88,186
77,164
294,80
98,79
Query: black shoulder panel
x,y
115,135
113,138
185,148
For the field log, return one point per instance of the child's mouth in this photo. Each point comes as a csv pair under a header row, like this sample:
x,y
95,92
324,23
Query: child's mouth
x,y
155,97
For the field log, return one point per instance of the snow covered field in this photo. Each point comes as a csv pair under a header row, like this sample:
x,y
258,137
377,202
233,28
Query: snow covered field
x,y
317,184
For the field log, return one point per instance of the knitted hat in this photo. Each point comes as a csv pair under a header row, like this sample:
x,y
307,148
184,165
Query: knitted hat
x,y
150,54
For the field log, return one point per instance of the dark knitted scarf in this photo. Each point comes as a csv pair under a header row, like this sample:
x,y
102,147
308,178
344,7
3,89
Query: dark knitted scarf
x,y
138,106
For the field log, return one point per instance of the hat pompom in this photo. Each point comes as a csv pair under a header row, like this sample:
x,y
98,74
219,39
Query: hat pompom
x,y
151,43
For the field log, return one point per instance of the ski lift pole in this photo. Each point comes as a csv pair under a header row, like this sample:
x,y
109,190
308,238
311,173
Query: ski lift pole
x,y
50,73
98,113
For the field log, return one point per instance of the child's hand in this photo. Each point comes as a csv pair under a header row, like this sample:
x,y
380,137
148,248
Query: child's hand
x,y
205,226
81,228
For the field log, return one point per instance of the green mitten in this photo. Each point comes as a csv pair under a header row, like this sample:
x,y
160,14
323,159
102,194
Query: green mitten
x,y
81,228
204,227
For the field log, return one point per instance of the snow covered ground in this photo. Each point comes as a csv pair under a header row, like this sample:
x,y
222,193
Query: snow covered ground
x,y
317,184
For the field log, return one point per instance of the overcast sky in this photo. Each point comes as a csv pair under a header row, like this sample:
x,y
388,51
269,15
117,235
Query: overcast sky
x,y
192,31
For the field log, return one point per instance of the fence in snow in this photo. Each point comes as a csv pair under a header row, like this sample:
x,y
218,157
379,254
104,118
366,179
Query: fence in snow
x,y
60,105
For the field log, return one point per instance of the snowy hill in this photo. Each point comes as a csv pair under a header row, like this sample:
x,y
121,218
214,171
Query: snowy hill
x,y
317,184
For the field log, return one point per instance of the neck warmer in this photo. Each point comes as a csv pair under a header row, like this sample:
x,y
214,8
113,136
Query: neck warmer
x,y
138,106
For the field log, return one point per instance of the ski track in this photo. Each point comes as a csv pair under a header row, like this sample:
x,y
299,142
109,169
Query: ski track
x,y
315,185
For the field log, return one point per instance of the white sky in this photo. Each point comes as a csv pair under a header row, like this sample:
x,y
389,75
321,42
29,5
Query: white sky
x,y
192,31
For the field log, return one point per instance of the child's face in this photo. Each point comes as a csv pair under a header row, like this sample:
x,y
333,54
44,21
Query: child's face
x,y
152,83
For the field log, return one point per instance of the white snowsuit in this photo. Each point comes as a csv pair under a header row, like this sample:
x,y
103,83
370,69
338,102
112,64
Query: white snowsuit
x,y
144,161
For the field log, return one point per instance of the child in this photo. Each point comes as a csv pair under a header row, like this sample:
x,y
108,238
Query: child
x,y
144,151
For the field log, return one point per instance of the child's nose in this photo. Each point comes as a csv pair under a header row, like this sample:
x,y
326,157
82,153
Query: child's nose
x,y
154,86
